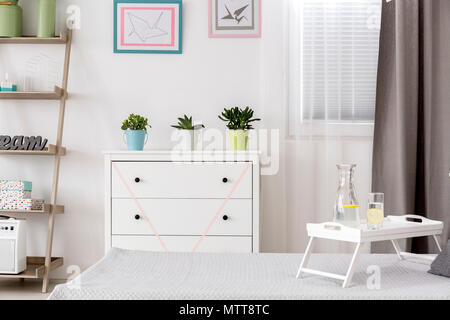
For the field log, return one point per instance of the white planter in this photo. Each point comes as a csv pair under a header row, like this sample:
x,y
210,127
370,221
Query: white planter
x,y
191,140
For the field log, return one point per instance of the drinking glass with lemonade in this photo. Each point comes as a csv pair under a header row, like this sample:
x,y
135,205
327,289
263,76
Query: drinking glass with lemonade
x,y
375,211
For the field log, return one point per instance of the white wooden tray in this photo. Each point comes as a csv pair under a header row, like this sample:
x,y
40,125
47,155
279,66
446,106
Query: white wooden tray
x,y
394,228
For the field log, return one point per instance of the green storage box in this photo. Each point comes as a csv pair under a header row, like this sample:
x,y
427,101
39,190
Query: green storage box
x,y
10,20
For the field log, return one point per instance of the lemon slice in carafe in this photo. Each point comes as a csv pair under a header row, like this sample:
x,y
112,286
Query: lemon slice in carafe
x,y
375,216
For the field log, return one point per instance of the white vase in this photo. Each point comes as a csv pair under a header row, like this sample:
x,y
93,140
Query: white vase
x,y
192,140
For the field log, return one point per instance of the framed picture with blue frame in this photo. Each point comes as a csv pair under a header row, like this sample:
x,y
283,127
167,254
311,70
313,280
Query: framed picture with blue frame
x,y
148,26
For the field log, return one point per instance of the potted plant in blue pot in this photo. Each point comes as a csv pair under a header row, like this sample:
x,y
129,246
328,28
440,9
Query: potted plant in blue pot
x,y
135,132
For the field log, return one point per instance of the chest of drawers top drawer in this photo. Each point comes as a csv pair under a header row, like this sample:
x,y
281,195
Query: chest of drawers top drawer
x,y
210,180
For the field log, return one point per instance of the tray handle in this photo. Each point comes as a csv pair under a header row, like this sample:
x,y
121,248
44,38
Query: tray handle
x,y
410,218
333,226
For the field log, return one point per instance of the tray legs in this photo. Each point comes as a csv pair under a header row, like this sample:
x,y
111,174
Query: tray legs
x,y
306,257
351,269
397,249
347,278
403,255
436,240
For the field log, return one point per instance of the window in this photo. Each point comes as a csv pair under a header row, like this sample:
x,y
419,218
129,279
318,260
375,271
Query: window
x,y
333,59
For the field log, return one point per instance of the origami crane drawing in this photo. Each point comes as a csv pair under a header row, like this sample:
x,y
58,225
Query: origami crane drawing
x,y
144,30
236,14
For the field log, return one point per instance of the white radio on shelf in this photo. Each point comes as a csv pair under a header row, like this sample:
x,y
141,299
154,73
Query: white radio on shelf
x,y
194,201
13,246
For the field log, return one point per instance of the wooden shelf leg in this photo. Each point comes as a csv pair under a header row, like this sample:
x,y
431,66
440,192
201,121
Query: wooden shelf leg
x,y
48,253
62,109
306,257
351,269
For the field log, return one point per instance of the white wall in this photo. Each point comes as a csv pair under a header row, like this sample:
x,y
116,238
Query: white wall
x,y
105,87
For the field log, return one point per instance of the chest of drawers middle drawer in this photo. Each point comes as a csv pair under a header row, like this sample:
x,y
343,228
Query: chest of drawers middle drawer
x,y
190,180
182,217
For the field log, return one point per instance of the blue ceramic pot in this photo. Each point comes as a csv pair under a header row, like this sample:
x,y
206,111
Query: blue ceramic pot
x,y
136,139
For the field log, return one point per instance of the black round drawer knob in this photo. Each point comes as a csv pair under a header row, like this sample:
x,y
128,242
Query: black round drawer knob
x,y
137,217
225,217
137,180
225,180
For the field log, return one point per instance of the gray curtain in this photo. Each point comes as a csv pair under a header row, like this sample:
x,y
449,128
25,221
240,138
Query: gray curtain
x,y
411,160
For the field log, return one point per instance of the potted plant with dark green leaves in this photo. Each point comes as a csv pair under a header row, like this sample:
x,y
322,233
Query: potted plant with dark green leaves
x,y
135,132
239,122
190,131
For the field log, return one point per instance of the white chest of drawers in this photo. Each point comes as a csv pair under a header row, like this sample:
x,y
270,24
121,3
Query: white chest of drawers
x,y
189,202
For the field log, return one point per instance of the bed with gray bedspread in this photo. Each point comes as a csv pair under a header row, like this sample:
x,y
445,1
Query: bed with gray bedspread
x,y
124,275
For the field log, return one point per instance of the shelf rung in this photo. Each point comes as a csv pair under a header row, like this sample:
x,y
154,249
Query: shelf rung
x,y
47,209
48,151
35,40
35,268
32,95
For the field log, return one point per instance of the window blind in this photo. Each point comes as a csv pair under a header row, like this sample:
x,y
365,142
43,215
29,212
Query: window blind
x,y
333,60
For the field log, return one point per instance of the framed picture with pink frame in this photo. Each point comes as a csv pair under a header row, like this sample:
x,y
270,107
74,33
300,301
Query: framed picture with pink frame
x,y
148,26
234,18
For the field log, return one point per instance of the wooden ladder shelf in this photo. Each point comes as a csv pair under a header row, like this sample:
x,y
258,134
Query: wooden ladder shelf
x,y
40,267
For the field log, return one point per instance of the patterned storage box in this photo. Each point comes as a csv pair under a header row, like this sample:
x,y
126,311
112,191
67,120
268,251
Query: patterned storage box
x,y
15,185
21,204
15,194
17,204
37,204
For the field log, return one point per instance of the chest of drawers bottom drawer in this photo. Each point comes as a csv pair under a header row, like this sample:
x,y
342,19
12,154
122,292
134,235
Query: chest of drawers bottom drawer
x,y
184,243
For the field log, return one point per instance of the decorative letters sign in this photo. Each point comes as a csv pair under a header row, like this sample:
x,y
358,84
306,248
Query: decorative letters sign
x,y
22,143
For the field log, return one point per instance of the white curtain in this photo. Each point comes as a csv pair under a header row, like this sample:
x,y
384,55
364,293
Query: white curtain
x,y
319,75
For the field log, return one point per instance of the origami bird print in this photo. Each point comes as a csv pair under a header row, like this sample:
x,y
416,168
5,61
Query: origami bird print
x,y
236,14
143,29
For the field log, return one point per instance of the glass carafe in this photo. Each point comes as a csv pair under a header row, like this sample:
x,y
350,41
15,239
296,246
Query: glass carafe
x,y
346,208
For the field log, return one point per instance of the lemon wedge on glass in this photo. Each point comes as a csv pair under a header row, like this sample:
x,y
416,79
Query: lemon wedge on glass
x,y
375,216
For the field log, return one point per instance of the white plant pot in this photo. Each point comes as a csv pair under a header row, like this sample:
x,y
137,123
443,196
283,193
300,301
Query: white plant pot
x,y
192,140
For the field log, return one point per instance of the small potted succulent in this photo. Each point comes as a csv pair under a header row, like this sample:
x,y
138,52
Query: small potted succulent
x,y
135,132
190,130
239,122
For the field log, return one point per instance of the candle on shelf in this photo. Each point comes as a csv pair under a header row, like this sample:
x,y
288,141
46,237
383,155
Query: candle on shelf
x,y
46,18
